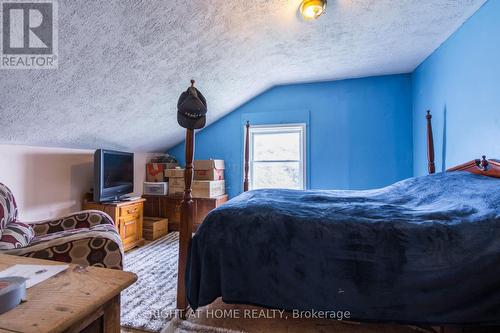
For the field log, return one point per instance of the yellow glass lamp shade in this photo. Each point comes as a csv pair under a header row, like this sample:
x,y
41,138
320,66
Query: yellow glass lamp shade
x,y
312,9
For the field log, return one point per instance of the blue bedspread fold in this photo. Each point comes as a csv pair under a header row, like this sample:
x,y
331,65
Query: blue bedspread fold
x,y
423,250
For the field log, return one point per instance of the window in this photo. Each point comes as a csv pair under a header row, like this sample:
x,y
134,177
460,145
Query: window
x,y
277,156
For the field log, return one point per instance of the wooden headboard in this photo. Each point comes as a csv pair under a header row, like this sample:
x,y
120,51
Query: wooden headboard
x,y
483,166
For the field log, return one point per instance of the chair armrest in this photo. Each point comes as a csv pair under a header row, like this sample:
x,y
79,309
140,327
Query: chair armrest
x,y
83,219
100,246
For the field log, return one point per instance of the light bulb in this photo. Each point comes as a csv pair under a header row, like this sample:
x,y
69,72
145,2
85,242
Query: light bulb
x,y
312,9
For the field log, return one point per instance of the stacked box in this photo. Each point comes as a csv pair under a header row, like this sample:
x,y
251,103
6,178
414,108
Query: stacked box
x,y
208,188
209,170
175,181
174,173
155,172
201,188
154,227
176,190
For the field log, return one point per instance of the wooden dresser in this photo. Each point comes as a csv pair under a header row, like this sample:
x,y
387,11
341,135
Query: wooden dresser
x,y
169,206
128,218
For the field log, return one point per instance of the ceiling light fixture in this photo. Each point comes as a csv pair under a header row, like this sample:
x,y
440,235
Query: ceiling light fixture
x,y
312,9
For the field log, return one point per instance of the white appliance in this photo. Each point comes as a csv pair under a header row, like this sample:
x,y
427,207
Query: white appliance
x,y
157,188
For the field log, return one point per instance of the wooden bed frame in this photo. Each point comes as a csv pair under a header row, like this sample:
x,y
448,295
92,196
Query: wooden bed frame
x,y
482,166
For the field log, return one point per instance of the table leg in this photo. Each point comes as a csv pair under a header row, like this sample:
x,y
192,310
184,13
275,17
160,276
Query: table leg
x,y
111,316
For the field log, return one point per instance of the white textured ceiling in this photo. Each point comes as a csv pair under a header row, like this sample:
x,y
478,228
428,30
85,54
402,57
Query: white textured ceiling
x,y
123,64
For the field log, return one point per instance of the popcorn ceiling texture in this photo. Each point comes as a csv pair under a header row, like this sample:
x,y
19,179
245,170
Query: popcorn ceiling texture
x,y
123,64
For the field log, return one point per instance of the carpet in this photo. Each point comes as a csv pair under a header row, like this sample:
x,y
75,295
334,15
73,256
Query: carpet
x,y
149,304
182,326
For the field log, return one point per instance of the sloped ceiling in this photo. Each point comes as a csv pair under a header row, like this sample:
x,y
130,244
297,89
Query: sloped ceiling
x,y
123,64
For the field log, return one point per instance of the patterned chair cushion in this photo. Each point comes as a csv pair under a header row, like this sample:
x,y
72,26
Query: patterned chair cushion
x,y
97,246
8,208
96,231
83,238
16,235
81,220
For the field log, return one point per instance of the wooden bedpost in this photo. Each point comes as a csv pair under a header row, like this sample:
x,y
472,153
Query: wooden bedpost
x,y
186,223
247,155
430,144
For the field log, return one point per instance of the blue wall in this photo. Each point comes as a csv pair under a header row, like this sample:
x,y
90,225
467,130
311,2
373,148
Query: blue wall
x,y
370,132
460,84
359,131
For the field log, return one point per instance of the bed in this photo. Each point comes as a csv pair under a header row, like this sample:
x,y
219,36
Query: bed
x,y
422,251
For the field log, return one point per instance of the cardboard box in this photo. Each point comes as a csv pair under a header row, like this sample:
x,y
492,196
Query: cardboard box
x,y
176,181
176,190
155,172
174,173
154,227
209,170
208,188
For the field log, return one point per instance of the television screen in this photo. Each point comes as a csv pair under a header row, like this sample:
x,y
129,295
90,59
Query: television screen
x,y
118,170
113,175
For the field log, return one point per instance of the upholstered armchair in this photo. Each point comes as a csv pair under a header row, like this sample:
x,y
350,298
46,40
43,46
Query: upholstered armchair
x,y
86,238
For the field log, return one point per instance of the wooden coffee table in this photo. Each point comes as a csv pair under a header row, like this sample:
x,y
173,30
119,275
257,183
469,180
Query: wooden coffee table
x,y
78,299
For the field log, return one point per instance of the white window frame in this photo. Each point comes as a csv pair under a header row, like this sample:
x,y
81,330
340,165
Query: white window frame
x,y
279,128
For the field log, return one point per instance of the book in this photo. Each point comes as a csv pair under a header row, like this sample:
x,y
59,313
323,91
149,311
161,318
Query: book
x,y
33,274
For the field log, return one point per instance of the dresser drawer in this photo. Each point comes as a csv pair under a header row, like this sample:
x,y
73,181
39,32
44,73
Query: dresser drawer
x,y
130,211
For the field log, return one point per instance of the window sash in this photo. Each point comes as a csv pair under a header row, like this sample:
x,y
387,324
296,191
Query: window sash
x,y
299,129
274,161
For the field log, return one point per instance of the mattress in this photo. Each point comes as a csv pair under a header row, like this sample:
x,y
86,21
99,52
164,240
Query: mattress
x,y
424,250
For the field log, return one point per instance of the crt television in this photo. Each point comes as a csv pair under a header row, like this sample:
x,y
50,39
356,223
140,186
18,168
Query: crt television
x,y
113,175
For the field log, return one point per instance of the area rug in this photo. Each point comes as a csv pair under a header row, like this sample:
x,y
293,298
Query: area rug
x,y
183,326
149,304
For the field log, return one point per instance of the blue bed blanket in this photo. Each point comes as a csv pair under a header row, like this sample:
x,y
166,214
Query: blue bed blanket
x,y
423,250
